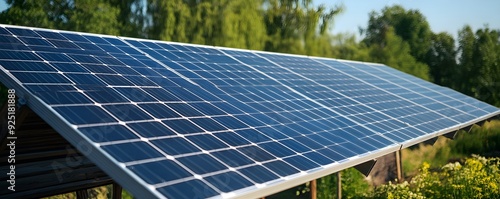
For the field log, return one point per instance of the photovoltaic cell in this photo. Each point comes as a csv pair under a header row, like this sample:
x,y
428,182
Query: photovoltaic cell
x,y
184,121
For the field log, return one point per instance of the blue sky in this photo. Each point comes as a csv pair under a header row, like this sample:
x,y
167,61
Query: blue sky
x,y
442,15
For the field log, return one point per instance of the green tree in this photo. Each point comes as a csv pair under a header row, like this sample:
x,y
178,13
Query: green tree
x,y
395,52
295,26
232,23
345,46
410,25
466,74
96,17
441,59
478,68
486,60
44,14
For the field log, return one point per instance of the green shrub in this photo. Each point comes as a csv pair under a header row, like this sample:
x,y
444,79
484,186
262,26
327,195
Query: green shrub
x,y
478,177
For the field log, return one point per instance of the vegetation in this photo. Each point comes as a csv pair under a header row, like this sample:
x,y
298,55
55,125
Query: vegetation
x,y
478,177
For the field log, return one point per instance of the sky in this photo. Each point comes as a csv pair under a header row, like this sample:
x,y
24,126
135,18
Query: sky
x,y
442,15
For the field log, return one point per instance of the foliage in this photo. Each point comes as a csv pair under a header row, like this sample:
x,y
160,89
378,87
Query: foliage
x,y
484,141
295,26
410,25
441,59
478,177
395,52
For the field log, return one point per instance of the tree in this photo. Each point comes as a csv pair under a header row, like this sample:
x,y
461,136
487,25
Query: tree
x,y
441,59
345,46
96,17
232,23
395,52
36,13
466,74
410,25
295,26
486,60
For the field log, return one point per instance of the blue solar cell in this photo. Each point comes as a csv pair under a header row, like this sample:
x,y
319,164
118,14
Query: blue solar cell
x,y
149,171
161,94
230,122
258,174
184,109
62,97
231,138
207,142
85,79
133,151
175,146
276,149
27,77
74,37
252,135
281,168
189,189
18,55
256,153
63,44
232,158
159,111
208,124
183,126
127,112
84,114
150,129
101,94
22,32
296,146
4,31
229,181
202,164
108,133
26,66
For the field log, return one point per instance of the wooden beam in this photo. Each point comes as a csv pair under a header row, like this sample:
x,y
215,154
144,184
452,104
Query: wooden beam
x,y
313,189
339,185
117,191
399,165
82,194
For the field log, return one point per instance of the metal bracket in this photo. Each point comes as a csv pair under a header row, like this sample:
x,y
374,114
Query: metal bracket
x,y
366,167
431,141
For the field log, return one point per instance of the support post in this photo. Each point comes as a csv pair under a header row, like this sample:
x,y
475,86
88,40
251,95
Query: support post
x,y
117,191
82,194
339,186
313,189
399,166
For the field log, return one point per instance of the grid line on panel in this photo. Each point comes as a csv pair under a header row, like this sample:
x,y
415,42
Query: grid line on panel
x,y
310,98
319,102
330,66
420,86
159,62
355,97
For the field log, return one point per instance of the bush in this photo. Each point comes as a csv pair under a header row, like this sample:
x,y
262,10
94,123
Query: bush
x,y
478,177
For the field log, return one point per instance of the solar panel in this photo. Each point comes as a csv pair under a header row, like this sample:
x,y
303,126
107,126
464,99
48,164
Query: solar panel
x,y
172,120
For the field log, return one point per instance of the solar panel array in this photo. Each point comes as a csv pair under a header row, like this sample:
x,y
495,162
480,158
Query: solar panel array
x,y
184,121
